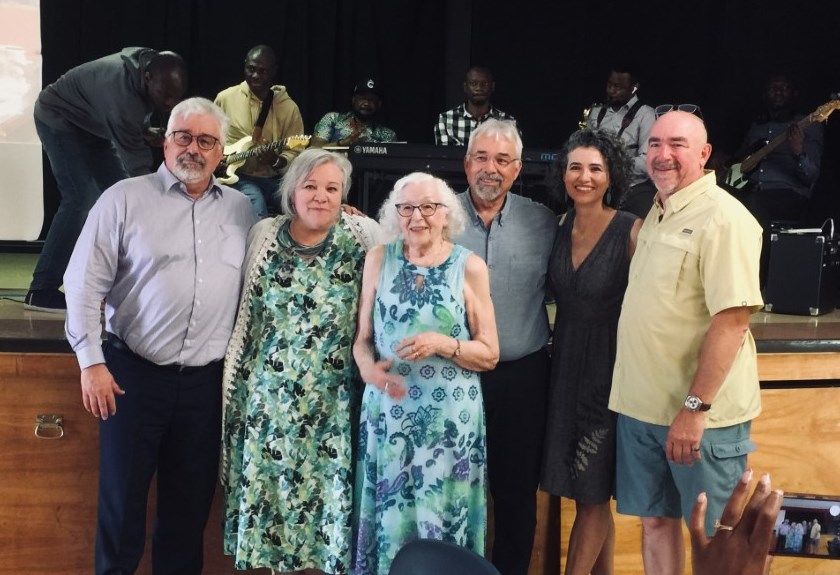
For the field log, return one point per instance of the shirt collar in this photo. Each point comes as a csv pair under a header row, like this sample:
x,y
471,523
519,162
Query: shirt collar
x,y
681,198
170,182
491,113
476,218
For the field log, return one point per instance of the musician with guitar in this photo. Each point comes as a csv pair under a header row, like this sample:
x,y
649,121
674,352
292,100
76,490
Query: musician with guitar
x,y
781,156
262,116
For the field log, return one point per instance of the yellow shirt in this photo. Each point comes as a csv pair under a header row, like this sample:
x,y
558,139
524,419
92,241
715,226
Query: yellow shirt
x,y
696,256
243,107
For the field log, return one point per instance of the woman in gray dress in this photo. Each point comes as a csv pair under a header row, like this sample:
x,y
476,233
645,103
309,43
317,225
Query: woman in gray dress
x,y
588,275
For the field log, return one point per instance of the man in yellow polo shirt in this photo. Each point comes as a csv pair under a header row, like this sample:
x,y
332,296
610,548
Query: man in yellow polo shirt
x,y
685,383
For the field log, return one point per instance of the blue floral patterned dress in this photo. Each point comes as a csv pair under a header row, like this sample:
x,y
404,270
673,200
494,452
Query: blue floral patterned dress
x,y
287,441
421,461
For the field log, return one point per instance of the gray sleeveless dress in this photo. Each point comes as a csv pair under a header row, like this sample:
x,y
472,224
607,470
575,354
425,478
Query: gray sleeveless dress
x,y
579,457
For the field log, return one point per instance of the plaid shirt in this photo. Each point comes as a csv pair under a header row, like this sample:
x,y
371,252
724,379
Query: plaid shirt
x,y
454,126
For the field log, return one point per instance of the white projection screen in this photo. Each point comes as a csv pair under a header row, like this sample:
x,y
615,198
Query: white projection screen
x,y
21,186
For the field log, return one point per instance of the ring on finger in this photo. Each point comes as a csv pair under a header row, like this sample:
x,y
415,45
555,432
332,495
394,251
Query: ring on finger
x,y
720,526
695,449
387,383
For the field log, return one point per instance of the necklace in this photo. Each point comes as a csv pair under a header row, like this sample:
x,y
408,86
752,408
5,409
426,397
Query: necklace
x,y
420,278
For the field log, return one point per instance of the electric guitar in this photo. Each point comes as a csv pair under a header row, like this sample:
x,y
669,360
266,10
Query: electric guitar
x,y
238,152
738,174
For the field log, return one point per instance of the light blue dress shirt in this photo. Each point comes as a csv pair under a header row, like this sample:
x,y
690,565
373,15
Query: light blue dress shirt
x,y
168,267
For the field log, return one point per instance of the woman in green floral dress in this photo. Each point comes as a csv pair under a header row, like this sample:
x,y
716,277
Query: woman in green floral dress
x,y
289,378
426,327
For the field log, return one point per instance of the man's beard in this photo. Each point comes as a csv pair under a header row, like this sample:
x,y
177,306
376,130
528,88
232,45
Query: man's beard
x,y
189,174
488,192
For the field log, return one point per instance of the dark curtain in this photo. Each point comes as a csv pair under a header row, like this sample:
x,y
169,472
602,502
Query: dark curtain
x,y
550,58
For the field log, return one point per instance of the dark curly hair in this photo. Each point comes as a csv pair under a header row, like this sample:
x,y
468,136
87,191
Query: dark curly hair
x,y
619,164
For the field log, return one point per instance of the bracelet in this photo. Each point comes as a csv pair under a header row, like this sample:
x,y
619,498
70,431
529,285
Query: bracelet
x,y
457,352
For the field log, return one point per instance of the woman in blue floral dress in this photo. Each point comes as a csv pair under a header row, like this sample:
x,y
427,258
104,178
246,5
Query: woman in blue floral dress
x,y
289,379
426,327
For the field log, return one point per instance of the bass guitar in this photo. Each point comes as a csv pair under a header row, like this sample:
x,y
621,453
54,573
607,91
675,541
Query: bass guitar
x,y
738,174
237,153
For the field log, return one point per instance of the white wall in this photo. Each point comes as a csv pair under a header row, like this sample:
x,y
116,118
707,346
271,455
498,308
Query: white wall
x,y
21,185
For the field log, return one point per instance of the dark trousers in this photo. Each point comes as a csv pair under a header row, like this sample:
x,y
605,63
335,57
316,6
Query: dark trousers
x,y
167,422
515,397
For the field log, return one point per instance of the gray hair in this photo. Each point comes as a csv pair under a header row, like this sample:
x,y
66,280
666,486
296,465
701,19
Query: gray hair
x,y
456,217
302,166
200,107
498,129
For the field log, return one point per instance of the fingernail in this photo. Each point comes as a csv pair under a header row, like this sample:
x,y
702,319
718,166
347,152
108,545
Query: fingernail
x,y
702,497
746,477
765,478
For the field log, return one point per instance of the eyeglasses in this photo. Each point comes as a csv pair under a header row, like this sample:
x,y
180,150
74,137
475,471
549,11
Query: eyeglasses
x,y
407,210
500,161
184,138
690,108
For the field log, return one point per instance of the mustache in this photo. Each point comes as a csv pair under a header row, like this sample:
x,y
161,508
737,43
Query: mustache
x,y
489,176
189,156
666,165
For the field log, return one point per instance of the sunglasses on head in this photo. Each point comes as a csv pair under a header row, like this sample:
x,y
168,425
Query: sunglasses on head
x,y
690,108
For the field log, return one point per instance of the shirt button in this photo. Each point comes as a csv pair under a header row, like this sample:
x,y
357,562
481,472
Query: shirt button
x,y
201,261
199,241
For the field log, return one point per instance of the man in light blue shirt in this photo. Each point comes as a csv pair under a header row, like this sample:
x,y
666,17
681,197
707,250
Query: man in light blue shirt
x,y
165,251
514,236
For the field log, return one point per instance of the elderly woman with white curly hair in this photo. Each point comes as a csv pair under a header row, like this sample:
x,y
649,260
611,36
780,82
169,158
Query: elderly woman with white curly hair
x,y
426,328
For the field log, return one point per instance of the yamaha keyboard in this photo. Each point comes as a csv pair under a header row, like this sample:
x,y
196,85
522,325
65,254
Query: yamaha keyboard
x,y
377,166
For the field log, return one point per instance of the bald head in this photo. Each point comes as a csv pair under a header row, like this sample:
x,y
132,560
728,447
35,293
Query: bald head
x,y
678,150
166,80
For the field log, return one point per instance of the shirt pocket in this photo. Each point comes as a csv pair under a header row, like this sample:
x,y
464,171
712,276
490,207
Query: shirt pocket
x,y
232,248
675,260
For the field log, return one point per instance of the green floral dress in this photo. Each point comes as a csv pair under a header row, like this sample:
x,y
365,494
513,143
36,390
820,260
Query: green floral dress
x,y
421,462
287,444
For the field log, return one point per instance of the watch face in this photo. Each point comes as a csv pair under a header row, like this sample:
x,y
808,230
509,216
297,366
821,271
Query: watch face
x,y
692,403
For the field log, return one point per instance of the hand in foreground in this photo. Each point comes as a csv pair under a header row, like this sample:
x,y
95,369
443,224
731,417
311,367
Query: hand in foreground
x,y
382,379
98,389
742,541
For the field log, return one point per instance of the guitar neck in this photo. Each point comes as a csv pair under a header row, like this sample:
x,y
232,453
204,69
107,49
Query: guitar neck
x,y
755,158
251,152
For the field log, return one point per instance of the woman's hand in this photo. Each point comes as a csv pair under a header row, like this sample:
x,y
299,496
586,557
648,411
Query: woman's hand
x,y
381,378
419,347
742,541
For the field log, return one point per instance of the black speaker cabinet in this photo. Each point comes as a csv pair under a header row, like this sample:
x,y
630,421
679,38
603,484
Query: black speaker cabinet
x,y
803,274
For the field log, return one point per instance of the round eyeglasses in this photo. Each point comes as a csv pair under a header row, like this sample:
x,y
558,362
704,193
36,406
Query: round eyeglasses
x,y
184,138
428,209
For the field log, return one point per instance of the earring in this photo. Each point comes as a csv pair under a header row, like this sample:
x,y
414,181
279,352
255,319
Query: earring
x,y
608,197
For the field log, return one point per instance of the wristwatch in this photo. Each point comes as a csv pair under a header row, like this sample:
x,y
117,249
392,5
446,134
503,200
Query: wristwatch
x,y
694,404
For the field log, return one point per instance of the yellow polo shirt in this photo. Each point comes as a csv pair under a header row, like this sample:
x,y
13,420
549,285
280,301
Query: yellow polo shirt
x,y
696,256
